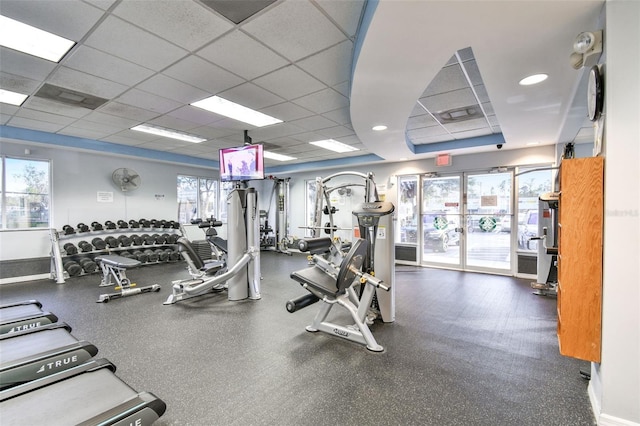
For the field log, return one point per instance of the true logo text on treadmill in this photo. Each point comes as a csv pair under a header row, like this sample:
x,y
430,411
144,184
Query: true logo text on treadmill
x,y
57,364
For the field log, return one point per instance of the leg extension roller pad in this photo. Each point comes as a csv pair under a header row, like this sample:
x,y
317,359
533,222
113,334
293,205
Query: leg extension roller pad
x,y
115,267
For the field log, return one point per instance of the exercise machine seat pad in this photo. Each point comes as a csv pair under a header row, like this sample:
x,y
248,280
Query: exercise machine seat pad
x,y
185,245
317,279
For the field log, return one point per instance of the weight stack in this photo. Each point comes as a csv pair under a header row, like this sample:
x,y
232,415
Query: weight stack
x,y
203,249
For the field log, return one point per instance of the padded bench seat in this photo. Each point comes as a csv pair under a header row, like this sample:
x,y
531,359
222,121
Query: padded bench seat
x,y
118,261
318,280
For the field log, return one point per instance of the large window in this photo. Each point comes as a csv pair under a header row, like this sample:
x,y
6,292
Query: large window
x,y
532,182
197,198
25,189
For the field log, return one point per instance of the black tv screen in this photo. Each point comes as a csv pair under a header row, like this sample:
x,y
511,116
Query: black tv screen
x,y
242,163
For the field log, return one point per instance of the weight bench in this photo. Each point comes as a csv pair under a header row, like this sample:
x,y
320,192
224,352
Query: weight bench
x,y
32,354
88,394
23,315
333,285
115,266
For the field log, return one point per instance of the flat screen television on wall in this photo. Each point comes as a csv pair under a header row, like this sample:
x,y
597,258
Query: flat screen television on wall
x,y
242,163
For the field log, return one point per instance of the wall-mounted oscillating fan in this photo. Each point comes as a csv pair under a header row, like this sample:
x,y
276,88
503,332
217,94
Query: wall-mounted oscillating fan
x,y
126,179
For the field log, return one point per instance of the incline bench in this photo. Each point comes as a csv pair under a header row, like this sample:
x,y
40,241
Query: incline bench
x,y
115,266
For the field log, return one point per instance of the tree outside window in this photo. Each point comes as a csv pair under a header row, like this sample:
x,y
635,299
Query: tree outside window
x,y
25,193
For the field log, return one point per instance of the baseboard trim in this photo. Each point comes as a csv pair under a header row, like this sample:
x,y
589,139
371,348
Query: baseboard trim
x,y
13,280
607,420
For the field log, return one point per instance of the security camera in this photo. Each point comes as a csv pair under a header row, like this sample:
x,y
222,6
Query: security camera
x,y
499,146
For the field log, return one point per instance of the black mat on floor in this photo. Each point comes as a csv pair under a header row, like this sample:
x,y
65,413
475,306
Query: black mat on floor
x,y
465,349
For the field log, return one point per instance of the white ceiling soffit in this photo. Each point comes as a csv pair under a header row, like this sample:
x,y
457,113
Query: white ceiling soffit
x,y
509,40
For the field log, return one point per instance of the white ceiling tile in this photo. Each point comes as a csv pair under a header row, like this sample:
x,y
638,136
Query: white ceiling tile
x,y
315,122
251,96
71,19
211,132
187,24
294,29
123,40
346,13
331,66
128,137
195,115
163,144
289,82
36,124
102,4
112,120
340,116
475,124
5,117
449,100
432,139
174,123
242,55
472,133
204,75
323,101
343,88
100,64
449,79
83,133
418,121
424,132
18,83
127,111
172,89
274,131
21,64
148,101
86,83
45,116
286,111
53,107
336,132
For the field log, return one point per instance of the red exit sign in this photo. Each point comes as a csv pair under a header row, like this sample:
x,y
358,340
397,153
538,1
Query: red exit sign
x,y
443,160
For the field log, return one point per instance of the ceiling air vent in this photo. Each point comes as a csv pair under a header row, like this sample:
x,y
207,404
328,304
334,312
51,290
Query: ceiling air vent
x,y
237,10
459,114
69,97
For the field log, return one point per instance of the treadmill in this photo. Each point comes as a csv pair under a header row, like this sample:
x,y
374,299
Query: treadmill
x,y
23,315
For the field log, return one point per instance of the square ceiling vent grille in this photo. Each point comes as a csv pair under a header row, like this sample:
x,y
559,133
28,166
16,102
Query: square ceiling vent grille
x,y
69,97
237,10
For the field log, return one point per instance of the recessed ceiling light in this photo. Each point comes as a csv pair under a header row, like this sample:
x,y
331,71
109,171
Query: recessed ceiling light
x,y
379,128
277,157
33,41
168,133
333,145
13,98
533,79
236,111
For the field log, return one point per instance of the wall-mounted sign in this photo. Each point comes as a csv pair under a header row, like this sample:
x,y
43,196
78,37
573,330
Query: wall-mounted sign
x,y
489,201
105,197
443,160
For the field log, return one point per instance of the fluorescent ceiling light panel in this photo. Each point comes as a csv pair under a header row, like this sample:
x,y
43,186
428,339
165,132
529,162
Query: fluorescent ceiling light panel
x,y
168,133
335,146
277,157
13,98
33,41
236,111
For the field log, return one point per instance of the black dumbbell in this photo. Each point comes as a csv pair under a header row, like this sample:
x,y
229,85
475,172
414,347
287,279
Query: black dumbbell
x,y
124,241
99,243
126,254
136,240
122,224
112,242
72,268
110,225
148,240
170,256
145,223
152,255
88,265
326,209
70,249
172,238
134,224
175,225
139,255
68,230
82,227
96,226
85,246
162,255
154,223
160,239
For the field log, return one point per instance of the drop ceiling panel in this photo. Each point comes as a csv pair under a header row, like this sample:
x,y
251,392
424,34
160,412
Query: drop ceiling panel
x,y
418,121
478,123
148,101
195,115
86,83
83,133
174,123
100,64
315,122
275,131
172,89
102,4
323,101
17,83
127,111
242,55
471,134
286,111
210,133
289,82
47,117
340,116
59,108
331,66
203,75
71,19
432,139
343,88
112,120
449,100
449,79
294,29
345,13
187,24
424,132
21,64
337,132
38,124
251,96
123,40
474,73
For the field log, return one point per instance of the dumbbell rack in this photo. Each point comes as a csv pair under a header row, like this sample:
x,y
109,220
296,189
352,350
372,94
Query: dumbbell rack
x,y
60,238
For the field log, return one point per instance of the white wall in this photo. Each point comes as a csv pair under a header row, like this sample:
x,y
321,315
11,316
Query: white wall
x,y
615,384
76,178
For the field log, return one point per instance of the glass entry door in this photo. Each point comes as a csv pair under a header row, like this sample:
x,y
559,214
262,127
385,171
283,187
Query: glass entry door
x,y
489,218
441,221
